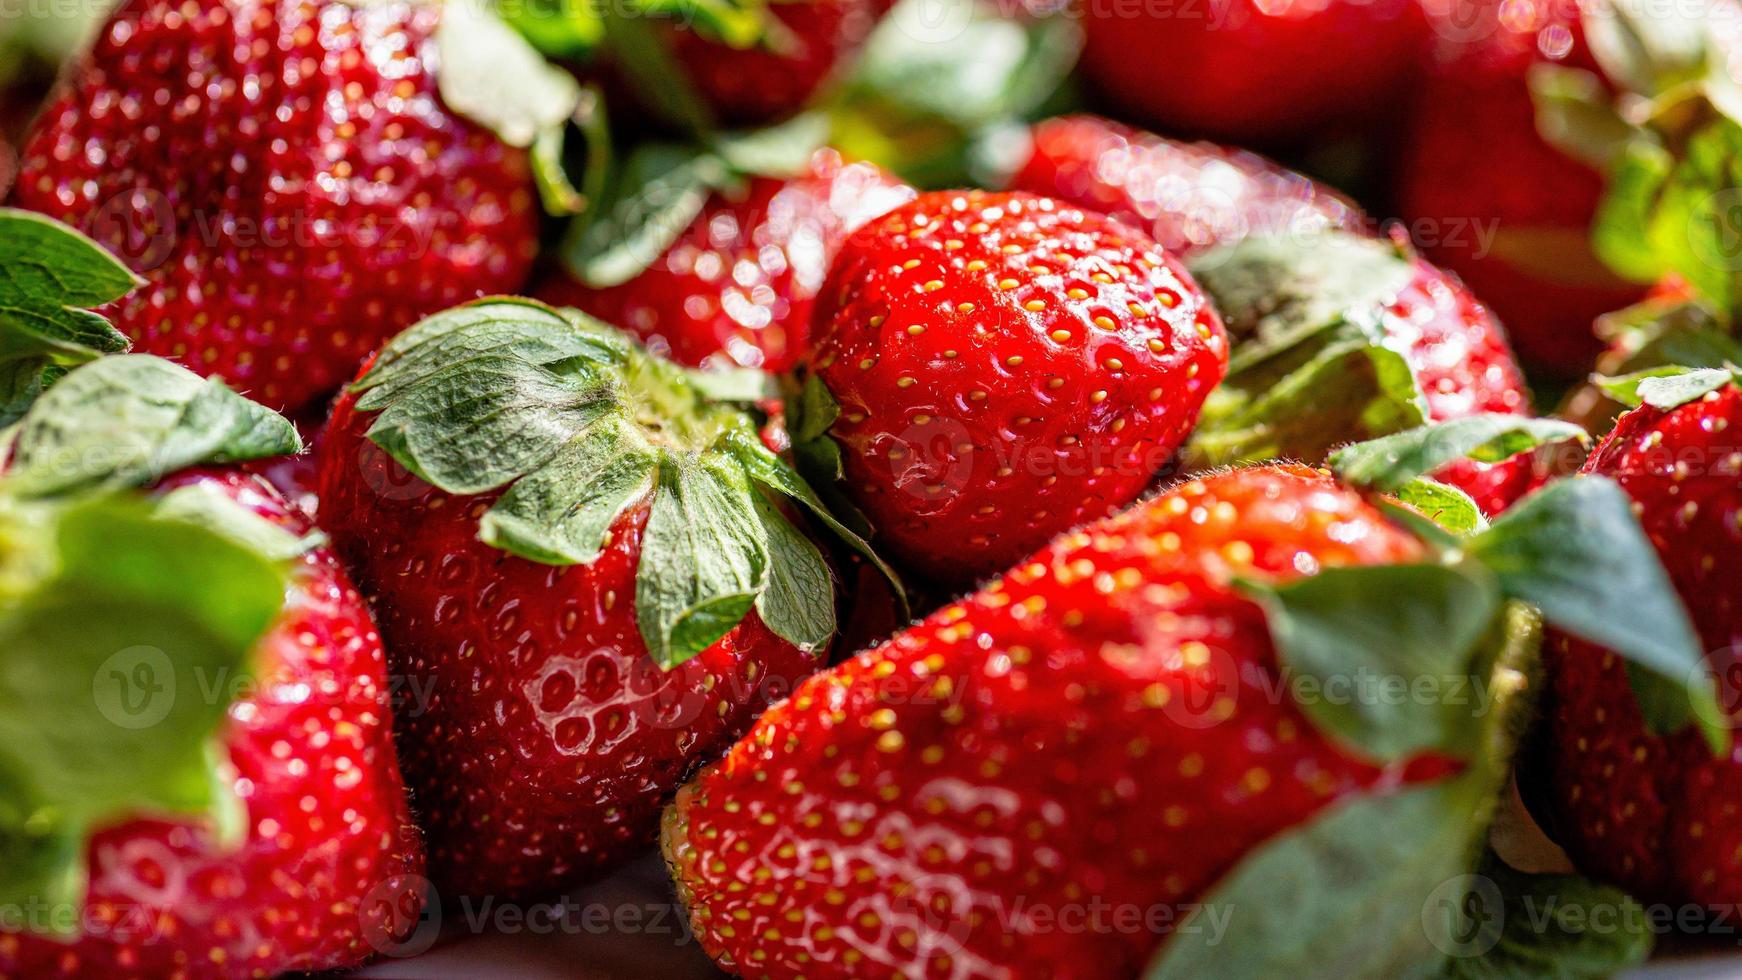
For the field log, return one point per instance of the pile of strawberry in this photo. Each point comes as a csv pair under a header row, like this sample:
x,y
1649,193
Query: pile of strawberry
x,y
964,539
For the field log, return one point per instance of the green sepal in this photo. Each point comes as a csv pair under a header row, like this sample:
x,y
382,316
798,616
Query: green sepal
x,y
1391,462
703,564
1666,387
567,29
114,618
1373,885
1547,927
130,420
646,203
740,24
1652,338
493,76
51,277
206,506
1576,113
1449,508
1312,364
1327,627
1575,551
942,91
575,426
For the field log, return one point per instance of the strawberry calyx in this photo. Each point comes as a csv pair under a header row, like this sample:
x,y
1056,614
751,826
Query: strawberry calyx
x,y
1664,123
646,201
569,424
111,615
51,279
1573,550
1313,362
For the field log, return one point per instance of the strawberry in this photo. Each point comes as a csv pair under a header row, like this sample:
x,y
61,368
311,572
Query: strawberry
x,y
1509,212
1190,197
1246,71
594,569
736,286
304,188
779,76
1654,812
1338,338
1043,778
996,368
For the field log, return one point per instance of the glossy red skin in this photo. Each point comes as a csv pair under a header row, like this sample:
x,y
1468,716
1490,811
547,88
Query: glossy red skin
x,y
1658,815
330,116
328,873
1189,197
1472,154
759,85
1059,428
1250,72
1092,728
737,287
1461,361
550,738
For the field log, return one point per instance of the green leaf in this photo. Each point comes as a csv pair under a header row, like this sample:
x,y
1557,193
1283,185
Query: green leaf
x,y
130,420
941,79
775,151
1576,113
703,563
1667,391
1350,390
1649,52
560,513
799,601
658,194
50,278
778,476
1346,894
1575,551
1373,885
1393,461
109,651
1314,363
741,24
575,426
1621,231
639,50
1447,506
810,416
567,29
491,75
208,507
1364,629
1548,927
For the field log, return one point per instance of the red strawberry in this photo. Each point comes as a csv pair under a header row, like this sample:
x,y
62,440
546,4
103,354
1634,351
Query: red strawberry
x,y
1494,202
589,573
1189,196
1005,367
1344,307
324,867
736,288
1653,813
745,87
1246,71
1091,730
289,179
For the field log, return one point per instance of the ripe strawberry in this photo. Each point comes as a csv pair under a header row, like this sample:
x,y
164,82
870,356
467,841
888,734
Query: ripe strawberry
x,y
1654,813
1189,197
289,179
1508,212
746,87
582,558
1005,367
1245,71
1338,338
316,864
736,288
